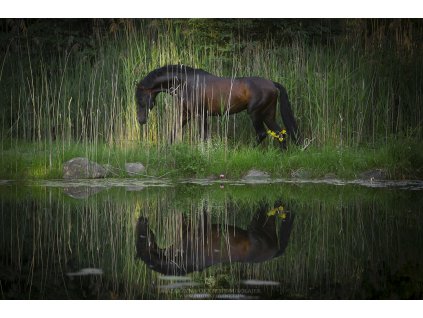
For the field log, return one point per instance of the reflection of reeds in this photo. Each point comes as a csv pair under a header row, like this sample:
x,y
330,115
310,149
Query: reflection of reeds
x,y
335,243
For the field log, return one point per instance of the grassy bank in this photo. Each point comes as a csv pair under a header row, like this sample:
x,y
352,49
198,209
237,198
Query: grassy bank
x,y
356,98
400,160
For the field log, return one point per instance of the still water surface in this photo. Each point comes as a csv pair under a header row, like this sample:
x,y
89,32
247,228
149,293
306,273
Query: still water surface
x,y
195,239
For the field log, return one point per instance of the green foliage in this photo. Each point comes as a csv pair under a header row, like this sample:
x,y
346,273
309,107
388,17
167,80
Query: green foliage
x,y
406,157
400,160
351,84
188,161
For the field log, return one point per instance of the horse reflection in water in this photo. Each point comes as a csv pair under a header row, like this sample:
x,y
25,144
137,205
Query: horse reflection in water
x,y
258,243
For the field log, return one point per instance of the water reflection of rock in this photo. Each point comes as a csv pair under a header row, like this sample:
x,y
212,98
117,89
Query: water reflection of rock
x,y
207,244
134,188
82,192
86,272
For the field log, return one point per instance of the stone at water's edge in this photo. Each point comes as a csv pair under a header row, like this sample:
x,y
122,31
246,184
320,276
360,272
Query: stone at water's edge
x,y
256,174
376,174
82,168
134,168
300,174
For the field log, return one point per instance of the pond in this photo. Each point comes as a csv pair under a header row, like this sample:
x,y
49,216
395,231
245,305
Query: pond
x,y
202,239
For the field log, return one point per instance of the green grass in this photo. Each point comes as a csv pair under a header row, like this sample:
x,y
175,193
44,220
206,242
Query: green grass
x,y
401,160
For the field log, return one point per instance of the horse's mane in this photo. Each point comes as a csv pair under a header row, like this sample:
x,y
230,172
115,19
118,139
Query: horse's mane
x,y
173,70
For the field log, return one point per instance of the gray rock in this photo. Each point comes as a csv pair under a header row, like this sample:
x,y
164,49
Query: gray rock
x,y
82,168
134,168
375,174
256,174
301,174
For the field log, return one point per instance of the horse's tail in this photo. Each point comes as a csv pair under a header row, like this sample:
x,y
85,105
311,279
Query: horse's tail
x,y
287,114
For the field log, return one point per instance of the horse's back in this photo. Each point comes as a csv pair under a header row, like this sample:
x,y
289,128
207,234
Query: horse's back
x,y
226,94
259,84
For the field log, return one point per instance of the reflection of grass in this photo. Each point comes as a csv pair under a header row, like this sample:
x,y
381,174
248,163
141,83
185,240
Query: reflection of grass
x,y
341,236
400,159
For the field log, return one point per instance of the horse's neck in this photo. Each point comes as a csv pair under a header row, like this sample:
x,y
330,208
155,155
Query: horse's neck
x,y
167,81
170,85
173,82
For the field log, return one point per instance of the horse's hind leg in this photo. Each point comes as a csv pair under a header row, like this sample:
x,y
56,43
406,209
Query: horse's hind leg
x,y
270,122
259,127
263,227
285,233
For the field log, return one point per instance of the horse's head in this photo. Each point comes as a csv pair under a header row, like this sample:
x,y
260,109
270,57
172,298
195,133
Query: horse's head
x,y
145,102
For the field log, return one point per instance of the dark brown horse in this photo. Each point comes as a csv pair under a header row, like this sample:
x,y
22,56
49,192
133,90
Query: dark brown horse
x,y
203,94
258,243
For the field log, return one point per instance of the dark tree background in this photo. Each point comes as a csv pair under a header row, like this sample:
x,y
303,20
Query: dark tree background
x,y
52,34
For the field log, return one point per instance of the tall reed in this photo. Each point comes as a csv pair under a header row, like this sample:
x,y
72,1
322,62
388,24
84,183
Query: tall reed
x,y
341,95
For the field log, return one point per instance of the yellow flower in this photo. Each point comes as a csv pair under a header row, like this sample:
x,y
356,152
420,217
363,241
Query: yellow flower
x,y
272,212
278,210
282,215
280,136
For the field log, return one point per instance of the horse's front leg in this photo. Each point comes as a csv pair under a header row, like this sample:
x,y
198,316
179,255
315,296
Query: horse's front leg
x,y
178,126
204,128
